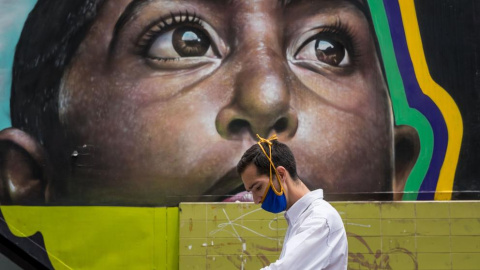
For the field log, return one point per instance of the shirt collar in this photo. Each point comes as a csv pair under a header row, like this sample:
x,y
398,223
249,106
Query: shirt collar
x,y
302,204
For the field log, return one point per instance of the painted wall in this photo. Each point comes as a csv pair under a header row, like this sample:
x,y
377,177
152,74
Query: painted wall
x,y
152,103
381,235
95,237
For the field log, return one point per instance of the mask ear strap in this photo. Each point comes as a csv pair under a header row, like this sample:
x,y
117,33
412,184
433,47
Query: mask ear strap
x,y
265,194
269,157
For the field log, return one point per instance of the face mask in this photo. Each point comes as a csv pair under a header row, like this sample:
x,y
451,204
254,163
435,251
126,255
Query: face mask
x,y
273,201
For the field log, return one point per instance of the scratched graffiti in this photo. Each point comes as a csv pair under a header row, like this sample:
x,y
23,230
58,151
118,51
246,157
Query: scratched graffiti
x,y
371,259
232,224
259,249
245,237
378,260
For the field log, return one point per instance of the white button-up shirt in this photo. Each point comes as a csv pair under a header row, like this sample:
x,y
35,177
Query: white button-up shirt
x,y
315,238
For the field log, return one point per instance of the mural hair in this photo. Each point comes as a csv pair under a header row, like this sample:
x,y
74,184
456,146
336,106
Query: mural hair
x,y
45,49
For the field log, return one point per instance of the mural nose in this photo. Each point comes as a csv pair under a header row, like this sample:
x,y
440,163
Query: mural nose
x,y
233,125
260,105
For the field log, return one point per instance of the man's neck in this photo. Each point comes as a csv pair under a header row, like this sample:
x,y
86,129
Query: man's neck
x,y
296,190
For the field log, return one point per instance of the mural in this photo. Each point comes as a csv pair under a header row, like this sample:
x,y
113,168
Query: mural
x,y
152,102
155,108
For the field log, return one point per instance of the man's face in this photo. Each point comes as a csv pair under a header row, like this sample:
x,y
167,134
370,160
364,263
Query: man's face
x,y
161,104
255,183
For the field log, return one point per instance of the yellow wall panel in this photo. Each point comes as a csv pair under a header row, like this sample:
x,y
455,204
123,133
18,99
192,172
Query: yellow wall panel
x,y
381,235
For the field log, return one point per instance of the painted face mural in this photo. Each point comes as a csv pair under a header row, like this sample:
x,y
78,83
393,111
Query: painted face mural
x,y
159,100
153,102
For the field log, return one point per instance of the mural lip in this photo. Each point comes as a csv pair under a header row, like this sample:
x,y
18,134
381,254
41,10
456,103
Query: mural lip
x,y
227,186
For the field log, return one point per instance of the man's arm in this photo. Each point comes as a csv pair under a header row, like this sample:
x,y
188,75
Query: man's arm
x,y
316,245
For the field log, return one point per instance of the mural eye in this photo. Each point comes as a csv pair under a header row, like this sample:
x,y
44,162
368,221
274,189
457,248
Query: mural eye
x,y
326,50
183,41
189,41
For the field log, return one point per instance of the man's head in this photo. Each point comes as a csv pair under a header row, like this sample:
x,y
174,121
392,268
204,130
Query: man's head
x,y
254,168
153,102
281,156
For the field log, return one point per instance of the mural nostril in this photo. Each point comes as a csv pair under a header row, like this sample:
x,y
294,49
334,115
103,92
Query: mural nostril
x,y
281,125
238,126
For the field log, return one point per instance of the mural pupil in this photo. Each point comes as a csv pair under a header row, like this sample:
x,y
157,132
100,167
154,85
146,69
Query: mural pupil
x,y
189,41
329,51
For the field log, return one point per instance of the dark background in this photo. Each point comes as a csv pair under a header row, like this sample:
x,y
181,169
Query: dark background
x,y
450,32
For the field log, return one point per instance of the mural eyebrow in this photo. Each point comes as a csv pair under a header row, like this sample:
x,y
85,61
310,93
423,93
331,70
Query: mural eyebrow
x,y
127,14
362,6
359,4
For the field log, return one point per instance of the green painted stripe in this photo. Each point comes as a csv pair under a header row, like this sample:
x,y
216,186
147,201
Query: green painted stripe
x,y
404,115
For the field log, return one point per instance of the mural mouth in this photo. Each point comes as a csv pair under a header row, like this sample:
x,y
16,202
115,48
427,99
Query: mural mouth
x,y
242,196
228,188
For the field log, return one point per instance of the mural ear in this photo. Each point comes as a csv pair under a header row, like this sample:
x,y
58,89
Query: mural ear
x,y
407,148
23,177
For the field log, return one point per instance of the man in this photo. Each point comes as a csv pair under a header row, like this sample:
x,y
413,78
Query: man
x,y
316,237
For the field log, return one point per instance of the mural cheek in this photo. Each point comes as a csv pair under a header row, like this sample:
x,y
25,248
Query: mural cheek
x,y
176,142
341,151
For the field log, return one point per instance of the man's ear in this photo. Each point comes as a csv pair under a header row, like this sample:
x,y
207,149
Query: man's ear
x,y
23,169
407,148
283,174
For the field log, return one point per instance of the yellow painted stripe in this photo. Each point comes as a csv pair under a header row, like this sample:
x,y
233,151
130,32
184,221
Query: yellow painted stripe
x,y
445,103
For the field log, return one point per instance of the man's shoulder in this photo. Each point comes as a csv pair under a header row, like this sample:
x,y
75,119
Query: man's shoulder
x,y
322,207
324,210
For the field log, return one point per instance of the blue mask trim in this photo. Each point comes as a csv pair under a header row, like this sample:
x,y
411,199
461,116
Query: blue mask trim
x,y
274,203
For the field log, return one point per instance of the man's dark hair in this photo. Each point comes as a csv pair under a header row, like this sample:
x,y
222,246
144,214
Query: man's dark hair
x,y
281,156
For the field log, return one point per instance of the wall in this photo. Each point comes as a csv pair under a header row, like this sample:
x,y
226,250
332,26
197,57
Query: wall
x,y
96,237
381,235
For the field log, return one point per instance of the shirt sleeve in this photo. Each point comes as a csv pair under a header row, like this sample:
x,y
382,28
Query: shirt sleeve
x,y
313,246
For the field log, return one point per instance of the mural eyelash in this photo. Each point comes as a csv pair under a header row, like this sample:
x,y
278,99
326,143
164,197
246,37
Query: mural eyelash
x,y
347,35
340,32
165,24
